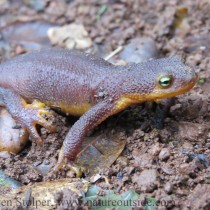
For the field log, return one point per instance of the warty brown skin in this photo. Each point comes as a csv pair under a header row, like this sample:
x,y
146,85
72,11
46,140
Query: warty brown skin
x,y
83,85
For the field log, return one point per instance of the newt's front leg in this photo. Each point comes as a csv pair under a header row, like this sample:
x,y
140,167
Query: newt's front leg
x,y
79,130
28,115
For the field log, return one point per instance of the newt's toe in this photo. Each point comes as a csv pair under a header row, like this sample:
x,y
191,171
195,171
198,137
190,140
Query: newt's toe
x,y
79,171
45,111
41,121
37,104
34,134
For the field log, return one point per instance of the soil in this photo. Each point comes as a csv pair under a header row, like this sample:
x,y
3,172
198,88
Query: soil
x,y
171,164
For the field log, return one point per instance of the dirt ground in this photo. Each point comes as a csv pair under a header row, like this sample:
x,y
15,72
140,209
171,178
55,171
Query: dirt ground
x,y
169,164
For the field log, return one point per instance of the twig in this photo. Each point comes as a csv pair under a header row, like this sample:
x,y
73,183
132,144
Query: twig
x,y
113,53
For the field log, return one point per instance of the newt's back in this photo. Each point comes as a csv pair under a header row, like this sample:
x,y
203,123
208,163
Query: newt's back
x,y
53,74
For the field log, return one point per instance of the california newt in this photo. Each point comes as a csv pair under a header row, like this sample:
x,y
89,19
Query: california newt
x,y
83,85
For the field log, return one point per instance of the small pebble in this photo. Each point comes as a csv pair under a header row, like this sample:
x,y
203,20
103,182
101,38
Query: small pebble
x,y
123,161
120,175
208,145
70,174
19,50
164,154
155,149
187,169
168,187
139,49
146,180
5,155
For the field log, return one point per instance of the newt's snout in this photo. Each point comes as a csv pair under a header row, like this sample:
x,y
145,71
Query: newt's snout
x,y
194,78
187,82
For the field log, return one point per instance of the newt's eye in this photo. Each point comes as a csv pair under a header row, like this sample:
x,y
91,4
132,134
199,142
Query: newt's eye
x,y
165,81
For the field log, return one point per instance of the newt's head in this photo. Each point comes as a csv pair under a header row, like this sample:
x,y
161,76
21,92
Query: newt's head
x,y
160,78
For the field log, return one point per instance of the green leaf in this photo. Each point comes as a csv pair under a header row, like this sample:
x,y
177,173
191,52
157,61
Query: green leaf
x,y
101,11
124,201
150,203
201,81
7,182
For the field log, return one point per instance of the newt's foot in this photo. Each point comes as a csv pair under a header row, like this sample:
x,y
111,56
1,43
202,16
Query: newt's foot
x,y
79,171
32,117
69,165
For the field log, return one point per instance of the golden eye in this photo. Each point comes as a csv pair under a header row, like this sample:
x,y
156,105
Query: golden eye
x,y
165,81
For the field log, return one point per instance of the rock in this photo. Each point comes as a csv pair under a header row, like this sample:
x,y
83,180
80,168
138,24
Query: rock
x,y
167,169
168,187
195,42
199,198
146,180
123,161
164,154
72,36
30,35
201,159
19,50
142,160
155,150
129,169
4,4
5,155
11,139
56,8
187,169
139,50
192,131
38,5
7,183
70,174
43,168
138,134
175,107
187,145
95,178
